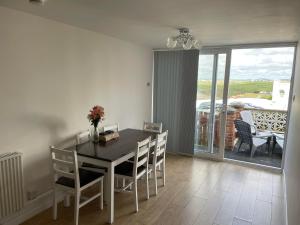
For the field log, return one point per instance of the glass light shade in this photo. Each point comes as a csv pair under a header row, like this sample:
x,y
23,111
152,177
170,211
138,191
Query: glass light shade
x,y
171,43
188,44
196,44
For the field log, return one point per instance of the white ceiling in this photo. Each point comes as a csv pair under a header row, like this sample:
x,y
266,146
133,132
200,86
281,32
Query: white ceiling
x,y
150,22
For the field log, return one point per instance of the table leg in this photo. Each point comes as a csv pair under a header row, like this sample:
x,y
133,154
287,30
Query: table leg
x,y
110,192
67,201
269,140
274,143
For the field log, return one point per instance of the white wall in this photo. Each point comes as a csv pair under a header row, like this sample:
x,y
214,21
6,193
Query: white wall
x,y
292,161
51,74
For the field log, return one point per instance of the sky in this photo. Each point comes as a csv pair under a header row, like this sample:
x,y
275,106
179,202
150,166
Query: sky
x,y
251,64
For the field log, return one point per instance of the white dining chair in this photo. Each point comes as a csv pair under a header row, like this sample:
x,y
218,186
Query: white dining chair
x,y
83,137
157,160
112,127
70,179
152,127
131,172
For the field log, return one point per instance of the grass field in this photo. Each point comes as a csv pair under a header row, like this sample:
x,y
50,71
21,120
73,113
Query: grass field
x,y
237,89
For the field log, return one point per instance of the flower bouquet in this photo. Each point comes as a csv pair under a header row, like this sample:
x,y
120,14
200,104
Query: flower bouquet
x,y
95,116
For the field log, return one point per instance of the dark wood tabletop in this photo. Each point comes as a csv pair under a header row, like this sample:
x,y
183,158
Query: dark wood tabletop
x,y
115,149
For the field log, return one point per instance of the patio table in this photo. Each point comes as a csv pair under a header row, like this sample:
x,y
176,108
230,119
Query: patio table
x,y
279,138
264,134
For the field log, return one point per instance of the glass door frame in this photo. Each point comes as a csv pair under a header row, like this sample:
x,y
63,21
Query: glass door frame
x,y
215,52
227,49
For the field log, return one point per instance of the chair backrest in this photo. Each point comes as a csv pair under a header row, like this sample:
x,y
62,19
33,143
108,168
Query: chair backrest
x,y
244,131
152,127
65,164
141,157
160,146
248,118
83,137
113,127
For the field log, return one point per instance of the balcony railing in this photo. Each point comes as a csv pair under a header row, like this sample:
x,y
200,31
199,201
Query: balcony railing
x,y
264,119
274,120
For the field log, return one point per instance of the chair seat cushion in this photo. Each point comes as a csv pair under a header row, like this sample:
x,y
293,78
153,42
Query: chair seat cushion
x,y
85,177
89,165
159,159
259,141
126,169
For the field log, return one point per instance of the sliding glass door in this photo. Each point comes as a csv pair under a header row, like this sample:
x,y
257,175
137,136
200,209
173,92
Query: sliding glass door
x,y
212,88
259,94
251,85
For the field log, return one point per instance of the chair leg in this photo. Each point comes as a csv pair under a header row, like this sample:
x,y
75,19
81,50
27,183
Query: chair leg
x,y
155,179
76,207
54,204
164,172
147,184
105,189
273,144
117,182
253,150
123,182
67,200
240,144
136,196
101,196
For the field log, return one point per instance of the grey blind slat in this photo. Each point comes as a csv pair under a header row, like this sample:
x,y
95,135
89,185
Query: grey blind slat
x,y
175,89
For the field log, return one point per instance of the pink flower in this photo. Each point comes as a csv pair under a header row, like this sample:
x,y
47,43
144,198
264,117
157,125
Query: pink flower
x,y
96,115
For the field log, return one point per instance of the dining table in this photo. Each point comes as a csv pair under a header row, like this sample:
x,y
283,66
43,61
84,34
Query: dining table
x,y
109,155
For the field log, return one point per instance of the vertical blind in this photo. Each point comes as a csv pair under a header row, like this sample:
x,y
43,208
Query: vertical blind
x,y
174,97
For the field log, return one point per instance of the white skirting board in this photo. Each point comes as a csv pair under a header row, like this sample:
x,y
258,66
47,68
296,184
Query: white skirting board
x,y
32,208
285,200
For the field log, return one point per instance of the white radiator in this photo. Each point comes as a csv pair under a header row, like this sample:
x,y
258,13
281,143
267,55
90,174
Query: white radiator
x,y
11,184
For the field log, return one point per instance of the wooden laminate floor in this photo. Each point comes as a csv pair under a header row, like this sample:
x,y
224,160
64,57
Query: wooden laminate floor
x,y
197,192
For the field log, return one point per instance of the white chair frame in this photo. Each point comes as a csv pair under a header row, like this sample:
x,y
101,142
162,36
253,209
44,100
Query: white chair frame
x,y
113,127
152,127
62,165
83,137
141,158
159,166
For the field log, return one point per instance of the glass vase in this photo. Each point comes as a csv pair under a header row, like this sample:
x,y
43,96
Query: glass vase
x,y
95,134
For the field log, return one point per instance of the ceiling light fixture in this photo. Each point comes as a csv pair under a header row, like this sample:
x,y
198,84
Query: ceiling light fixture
x,y
184,40
38,1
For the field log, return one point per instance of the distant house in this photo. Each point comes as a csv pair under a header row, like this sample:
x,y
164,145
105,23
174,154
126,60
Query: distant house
x,y
280,93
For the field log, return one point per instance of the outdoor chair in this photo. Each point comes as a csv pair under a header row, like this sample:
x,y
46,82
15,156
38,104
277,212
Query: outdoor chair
x,y
248,118
246,137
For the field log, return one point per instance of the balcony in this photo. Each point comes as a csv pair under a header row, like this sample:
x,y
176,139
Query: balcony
x,y
264,119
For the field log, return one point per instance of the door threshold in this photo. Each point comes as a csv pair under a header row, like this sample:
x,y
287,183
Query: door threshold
x,y
232,161
209,156
253,165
